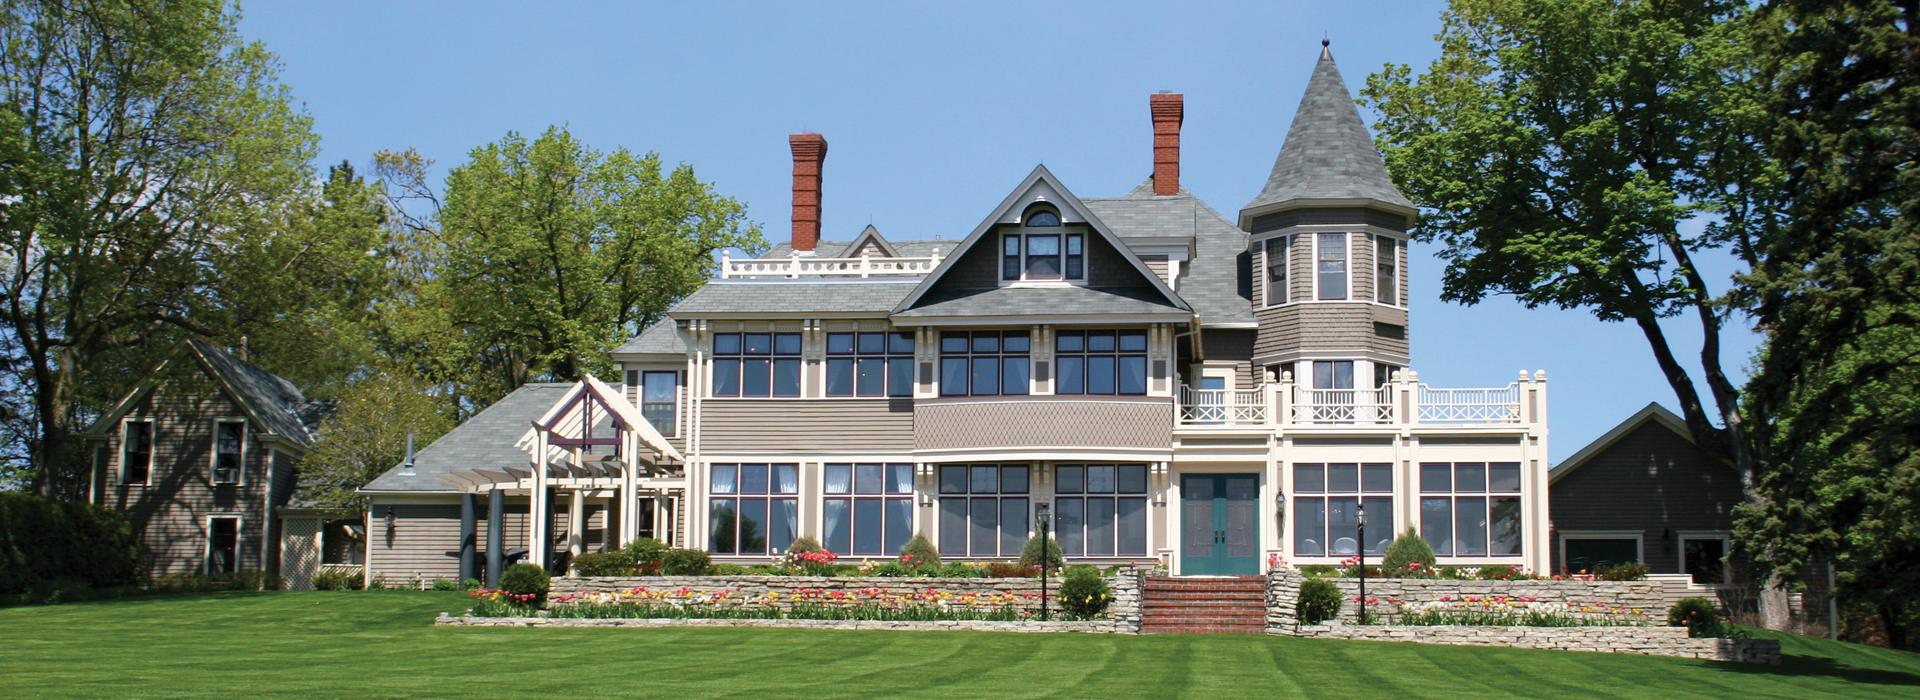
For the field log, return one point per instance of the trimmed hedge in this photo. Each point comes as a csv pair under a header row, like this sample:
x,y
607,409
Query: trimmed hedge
x,y
47,547
526,579
1319,601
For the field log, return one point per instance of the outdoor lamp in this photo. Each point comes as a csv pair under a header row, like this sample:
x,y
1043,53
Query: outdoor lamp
x,y
1361,520
389,518
1042,519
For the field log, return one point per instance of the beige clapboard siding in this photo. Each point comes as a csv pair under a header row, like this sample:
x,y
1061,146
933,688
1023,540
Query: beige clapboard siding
x,y
426,537
869,425
170,515
1040,422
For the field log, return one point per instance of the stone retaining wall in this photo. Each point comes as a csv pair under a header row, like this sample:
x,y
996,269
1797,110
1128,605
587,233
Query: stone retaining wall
x,y
1124,611
1649,597
1655,641
1095,626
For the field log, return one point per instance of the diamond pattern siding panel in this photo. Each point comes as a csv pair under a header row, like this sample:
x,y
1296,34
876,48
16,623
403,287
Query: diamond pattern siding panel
x,y
1042,422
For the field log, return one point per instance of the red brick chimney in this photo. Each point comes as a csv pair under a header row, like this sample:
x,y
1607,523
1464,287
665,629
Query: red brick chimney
x,y
1168,112
809,154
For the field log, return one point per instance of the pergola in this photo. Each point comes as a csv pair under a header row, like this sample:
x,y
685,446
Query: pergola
x,y
561,448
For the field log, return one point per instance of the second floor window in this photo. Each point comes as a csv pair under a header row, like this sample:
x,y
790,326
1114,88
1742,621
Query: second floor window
x,y
869,364
228,438
659,397
1330,266
1042,252
136,456
1386,275
756,364
1101,362
984,363
1277,251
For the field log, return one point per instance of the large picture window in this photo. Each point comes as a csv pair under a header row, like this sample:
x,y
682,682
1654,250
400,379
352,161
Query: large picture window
x,y
229,450
1279,251
1471,509
1386,270
1330,265
1100,510
1326,505
868,509
1100,362
983,510
984,363
869,364
136,453
754,508
756,364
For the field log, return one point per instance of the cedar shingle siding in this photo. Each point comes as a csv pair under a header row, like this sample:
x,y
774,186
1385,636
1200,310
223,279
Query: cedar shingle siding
x,y
1652,480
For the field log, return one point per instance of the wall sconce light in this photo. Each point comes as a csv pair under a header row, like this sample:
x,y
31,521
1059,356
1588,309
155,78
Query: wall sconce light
x,y
389,518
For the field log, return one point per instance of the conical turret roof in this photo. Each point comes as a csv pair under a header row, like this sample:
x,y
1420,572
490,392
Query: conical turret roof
x,y
1328,156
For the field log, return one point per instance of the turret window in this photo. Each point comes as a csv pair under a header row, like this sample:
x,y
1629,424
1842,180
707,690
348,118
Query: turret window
x,y
1279,252
1386,265
1331,266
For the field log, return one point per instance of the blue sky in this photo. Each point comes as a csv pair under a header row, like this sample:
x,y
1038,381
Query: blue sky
x,y
932,113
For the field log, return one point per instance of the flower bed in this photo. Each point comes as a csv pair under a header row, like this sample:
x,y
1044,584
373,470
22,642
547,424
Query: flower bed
x,y
872,603
1501,611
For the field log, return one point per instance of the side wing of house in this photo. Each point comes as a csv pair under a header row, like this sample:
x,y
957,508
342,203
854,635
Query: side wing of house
x,y
1648,493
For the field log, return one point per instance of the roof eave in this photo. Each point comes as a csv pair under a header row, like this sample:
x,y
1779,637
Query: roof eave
x,y
1256,209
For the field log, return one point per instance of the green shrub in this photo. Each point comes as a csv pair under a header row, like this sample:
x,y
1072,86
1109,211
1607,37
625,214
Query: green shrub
x,y
1085,594
444,584
1629,571
645,555
44,542
1318,570
1502,573
1700,616
472,584
377,583
892,569
920,554
804,545
1319,601
954,569
686,562
1000,569
524,580
338,580
1030,554
728,570
603,564
1408,556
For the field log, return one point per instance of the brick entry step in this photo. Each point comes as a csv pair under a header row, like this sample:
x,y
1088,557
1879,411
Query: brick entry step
x,y
1204,605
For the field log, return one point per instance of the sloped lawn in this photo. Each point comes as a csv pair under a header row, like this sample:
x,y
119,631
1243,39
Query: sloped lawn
x,y
381,643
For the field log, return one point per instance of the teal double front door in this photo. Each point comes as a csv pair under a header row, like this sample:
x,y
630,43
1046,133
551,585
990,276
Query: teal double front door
x,y
1219,524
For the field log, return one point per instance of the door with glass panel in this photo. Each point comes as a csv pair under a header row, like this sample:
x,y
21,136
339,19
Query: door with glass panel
x,y
1219,524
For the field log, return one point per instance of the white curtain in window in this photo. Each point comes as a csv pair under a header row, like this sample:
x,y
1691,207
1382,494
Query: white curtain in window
x,y
839,478
723,478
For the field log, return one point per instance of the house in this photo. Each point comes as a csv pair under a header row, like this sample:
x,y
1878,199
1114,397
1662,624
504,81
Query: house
x,y
202,455
1159,381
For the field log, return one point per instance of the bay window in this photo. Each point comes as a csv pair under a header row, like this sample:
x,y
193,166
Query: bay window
x,y
1100,510
1101,362
1386,270
756,364
868,509
754,509
984,363
1471,509
869,364
983,510
1326,505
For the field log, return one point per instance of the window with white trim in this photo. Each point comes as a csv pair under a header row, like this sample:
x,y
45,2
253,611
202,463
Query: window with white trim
x,y
867,509
136,452
1585,553
754,509
1279,254
223,545
869,364
983,509
658,393
1100,362
1330,266
1100,510
1471,509
756,364
1327,502
985,363
1038,251
229,450
1386,270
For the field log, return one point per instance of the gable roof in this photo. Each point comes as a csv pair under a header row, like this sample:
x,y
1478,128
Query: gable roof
x,y
1214,283
275,405
870,235
1328,157
1070,207
661,338
490,439
1653,413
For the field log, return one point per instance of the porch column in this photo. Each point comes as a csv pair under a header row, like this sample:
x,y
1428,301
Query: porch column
x,y
629,500
577,525
496,535
467,523
537,512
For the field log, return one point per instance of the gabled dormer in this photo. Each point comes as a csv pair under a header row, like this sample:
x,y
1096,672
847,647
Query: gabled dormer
x,y
1328,239
870,244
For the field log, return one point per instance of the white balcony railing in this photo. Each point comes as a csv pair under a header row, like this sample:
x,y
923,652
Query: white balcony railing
x,y
797,266
1402,401
1222,406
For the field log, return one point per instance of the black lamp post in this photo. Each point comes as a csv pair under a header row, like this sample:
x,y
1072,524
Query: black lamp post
x,y
1041,521
1362,556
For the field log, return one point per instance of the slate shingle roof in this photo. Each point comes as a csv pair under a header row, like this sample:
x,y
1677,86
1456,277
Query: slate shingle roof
x,y
276,401
661,337
1328,153
1217,282
1015,301
795,296
489,440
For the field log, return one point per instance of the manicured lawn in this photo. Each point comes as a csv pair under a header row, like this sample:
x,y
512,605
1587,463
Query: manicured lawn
x,y
382,644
